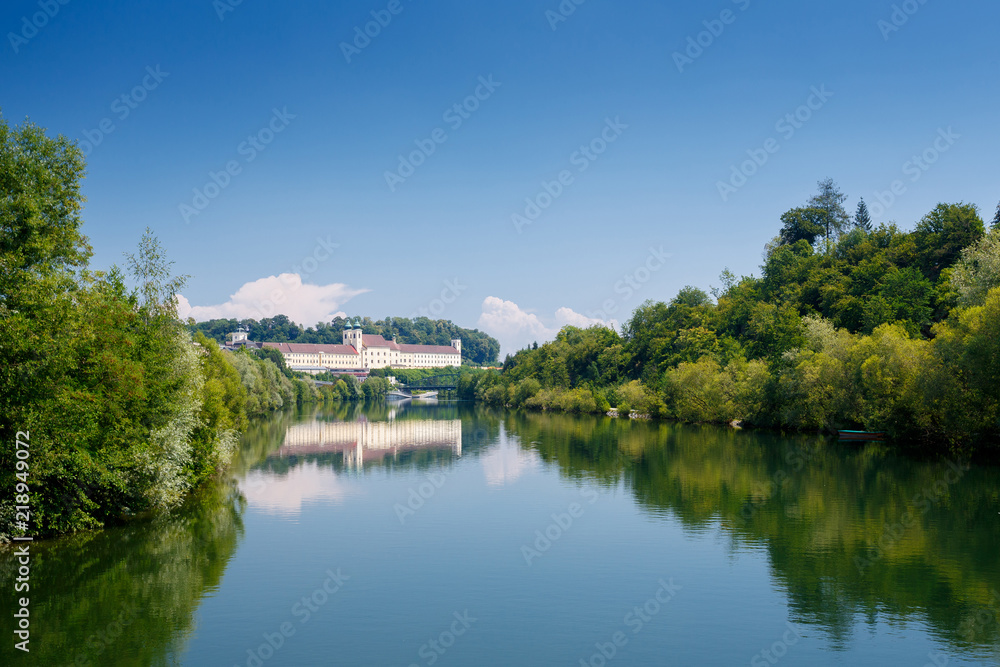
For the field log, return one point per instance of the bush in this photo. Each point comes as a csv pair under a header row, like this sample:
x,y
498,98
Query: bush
x,y
524,390
576,400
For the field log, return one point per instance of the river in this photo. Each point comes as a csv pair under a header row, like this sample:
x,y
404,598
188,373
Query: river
x,y
407,534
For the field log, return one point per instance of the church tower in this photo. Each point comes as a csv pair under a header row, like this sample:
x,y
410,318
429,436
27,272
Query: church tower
x,y
239,336
457,344
353,335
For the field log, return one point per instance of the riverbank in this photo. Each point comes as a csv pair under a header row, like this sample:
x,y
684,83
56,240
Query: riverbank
x,y
857,328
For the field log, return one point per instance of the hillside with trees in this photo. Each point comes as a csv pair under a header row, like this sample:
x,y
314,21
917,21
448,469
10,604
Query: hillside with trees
x,y
848,326
120,411
477,347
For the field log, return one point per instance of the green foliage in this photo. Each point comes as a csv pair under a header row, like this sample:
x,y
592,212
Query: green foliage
x,y
962,388
802,224
523,391
830,200
862,218
375,388
635,397
978,270
126,414
863,335
942,235
885,371
904,296
705,391
39,235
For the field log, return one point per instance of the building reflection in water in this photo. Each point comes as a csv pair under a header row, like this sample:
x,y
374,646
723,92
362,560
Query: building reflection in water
x,y
364,441
311,463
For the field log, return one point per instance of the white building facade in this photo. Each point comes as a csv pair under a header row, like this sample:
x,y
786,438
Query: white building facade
x,y
363,352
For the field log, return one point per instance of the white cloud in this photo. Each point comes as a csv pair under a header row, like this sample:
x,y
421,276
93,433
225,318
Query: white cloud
x,y
505,463
566,316
286,294
516,328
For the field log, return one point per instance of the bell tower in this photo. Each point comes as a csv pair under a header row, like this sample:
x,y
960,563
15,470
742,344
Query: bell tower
x,y
240,336
353,335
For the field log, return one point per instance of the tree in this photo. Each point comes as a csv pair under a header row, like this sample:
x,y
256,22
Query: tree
x,y
863,219
943,233
41,249
151,271
801,224
40,209
904,296
978,270
996,219
830,200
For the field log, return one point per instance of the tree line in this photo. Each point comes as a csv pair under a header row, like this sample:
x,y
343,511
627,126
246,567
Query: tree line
x,y
477,347
849,325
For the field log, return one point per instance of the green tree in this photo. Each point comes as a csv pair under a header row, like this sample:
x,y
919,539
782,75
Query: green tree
x,y
968,347
978,270
862,218
830,200
800,224
41,251
942,234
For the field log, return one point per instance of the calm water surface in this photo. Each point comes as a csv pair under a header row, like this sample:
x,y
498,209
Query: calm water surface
x,y
452,535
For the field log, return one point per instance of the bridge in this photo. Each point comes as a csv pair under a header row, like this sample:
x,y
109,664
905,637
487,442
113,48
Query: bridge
x,y
442,382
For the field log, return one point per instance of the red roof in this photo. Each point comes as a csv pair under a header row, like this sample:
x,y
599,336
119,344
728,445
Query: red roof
x,y
308,348
370,340
373,340
428,349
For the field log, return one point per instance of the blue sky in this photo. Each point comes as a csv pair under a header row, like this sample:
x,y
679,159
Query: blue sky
x,y
310,128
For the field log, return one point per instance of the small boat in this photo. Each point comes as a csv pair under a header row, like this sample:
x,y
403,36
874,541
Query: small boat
x,y
861,436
